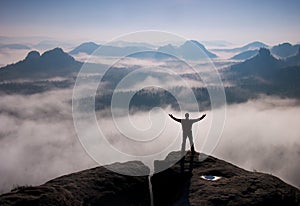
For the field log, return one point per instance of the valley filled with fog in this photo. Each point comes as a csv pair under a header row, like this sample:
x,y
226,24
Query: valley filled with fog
x,y
39,141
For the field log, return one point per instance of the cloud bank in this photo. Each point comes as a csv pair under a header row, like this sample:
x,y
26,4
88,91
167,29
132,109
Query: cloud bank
x,y
264,135
38,141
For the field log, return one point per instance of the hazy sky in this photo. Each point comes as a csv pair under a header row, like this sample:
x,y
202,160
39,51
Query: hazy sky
x,y
239,21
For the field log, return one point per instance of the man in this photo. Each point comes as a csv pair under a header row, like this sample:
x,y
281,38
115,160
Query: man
x,y
186,125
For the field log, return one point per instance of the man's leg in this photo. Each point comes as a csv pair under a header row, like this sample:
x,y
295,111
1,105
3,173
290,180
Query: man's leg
x,y
182,153
191,143
192,151
183,145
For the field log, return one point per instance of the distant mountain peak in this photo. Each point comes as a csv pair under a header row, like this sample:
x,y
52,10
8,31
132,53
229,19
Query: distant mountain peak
x,y
257,43
285,50
285,44
294,60
89,43
86,47
245,55
57,55
189,50
250,46
191,43
51,63
32,55
263,64
264,57
263,52
56,50
254,45
195,42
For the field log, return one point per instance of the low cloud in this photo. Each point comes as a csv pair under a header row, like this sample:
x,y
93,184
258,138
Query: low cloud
x,y
38,141
264,135
10,56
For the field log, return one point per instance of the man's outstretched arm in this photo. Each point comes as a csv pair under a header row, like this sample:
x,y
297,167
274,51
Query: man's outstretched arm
x,y
177,120
196,120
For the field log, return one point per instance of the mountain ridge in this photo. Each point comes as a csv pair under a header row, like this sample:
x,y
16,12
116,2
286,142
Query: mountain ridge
x,y
51,63
245,55
263,63
186,50
249,46
86,47
285,50
264,74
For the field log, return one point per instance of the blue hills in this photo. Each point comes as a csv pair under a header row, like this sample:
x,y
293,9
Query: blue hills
x,y
87,47
189,50
262,73
251,46
261,64
245,55
285,50
265,74
282,51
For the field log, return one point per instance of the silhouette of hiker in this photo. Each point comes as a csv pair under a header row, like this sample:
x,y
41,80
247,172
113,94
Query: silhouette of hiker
x,y
186,125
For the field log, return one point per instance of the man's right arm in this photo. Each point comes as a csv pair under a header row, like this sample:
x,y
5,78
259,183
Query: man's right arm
x,y
174,118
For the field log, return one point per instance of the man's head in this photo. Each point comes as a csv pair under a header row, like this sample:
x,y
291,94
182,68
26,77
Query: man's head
x,y
187,115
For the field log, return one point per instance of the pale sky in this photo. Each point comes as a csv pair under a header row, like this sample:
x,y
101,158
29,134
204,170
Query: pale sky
x,y
237,21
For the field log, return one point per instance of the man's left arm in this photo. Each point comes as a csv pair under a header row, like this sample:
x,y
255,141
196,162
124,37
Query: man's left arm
x,y
200,118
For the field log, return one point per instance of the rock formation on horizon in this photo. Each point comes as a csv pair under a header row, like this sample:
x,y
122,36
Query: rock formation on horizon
x,y
211,182
52,63
263,64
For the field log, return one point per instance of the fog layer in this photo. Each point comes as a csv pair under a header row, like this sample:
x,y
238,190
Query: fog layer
x,y
38,141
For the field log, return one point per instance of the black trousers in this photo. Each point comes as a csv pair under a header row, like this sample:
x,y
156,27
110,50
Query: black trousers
x,y
186,135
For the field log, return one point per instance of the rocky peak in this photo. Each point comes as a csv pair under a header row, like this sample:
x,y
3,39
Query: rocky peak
x,y
210,181
52,63
57,54
87,47
263,52
33,55
215,182
190,50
